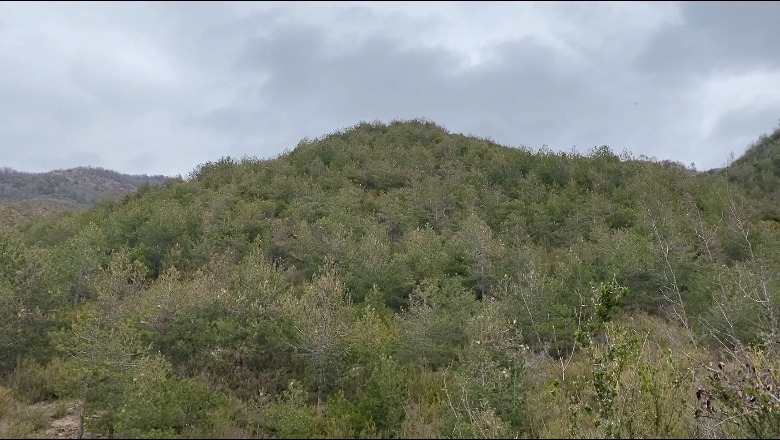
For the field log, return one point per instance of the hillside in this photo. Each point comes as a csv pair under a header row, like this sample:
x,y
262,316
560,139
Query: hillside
x,y
398,280
27,195
758,172
79,186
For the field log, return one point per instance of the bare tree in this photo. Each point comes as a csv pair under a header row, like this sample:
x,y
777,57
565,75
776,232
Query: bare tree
x,y
321,320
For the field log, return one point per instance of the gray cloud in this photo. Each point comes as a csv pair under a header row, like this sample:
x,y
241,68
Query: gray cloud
x,y
526,92
736,127
161,87
723,36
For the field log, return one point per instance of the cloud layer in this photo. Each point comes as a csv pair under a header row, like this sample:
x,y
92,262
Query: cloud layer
x,y
159,88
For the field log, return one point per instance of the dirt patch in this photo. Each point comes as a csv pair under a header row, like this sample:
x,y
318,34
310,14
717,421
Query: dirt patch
x,y
64,419
64,426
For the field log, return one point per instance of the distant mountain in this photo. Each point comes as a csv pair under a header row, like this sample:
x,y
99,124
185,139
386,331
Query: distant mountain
x,y
79,186
23,194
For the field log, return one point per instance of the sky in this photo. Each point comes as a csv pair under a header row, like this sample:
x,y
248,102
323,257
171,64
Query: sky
x,y
160,88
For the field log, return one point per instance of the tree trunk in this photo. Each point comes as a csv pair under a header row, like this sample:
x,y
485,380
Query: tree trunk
x,y
319,390
82,411
80,430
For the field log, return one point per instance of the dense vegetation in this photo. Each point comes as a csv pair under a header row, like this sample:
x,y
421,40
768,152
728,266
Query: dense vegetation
x,y
398,280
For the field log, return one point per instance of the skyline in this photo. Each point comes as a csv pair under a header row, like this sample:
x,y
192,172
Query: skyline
x,y
159,88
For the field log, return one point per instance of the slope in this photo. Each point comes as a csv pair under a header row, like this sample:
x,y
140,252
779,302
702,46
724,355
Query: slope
x,y
366,271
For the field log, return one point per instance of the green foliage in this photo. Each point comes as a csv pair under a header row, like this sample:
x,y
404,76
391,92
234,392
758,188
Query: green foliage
x,y
18,420
433,329
384,394
321,320
398,280
292,416
758,169
627,390
479,252
29,302
157,405
33,382
491,378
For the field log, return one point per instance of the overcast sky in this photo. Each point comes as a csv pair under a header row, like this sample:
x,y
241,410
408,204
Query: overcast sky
x,y
159,88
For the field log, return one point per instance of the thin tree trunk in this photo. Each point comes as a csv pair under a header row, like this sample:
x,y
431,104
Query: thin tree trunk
x,y
319,390
80,431
82,411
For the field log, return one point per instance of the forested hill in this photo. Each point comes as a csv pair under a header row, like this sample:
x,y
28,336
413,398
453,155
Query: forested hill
x,y
758,172
398,280
80,186
25,195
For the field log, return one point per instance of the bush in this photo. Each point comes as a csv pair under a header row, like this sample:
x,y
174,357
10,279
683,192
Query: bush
x,y
16,420
32,382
